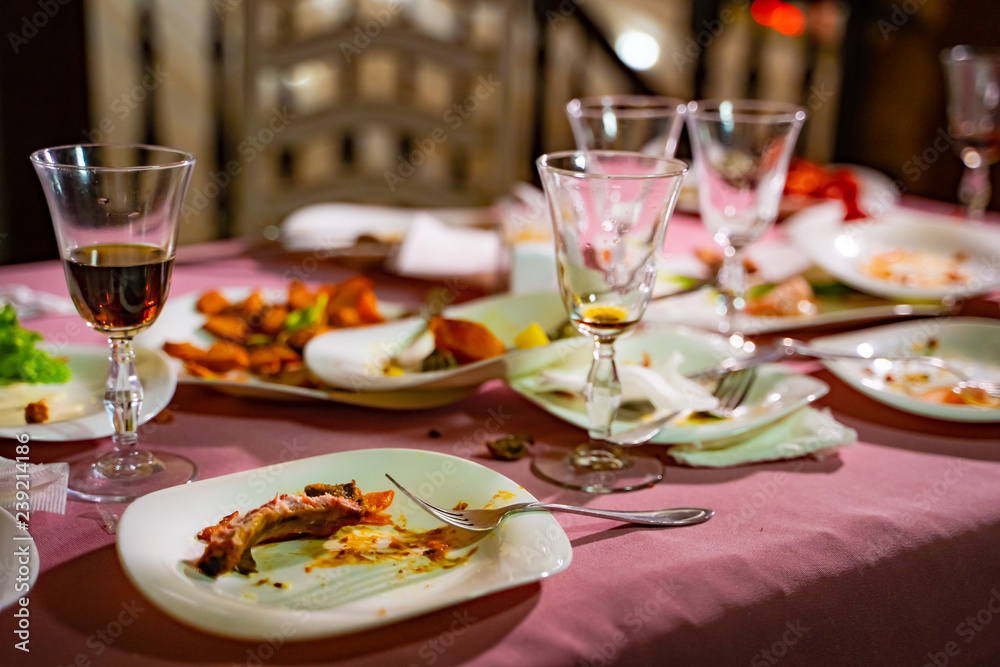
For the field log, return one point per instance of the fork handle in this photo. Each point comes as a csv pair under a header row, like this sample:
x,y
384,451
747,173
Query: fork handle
x,y
677,516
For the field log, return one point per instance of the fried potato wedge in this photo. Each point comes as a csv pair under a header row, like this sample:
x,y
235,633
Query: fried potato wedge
x,y
466,341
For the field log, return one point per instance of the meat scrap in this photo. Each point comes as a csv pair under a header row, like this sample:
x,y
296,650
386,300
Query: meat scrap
x,y
319,512
36,413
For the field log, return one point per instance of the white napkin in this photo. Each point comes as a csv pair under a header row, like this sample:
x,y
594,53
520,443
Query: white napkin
x,y
805,432
32,303
335,225
663,385
46,484
431,249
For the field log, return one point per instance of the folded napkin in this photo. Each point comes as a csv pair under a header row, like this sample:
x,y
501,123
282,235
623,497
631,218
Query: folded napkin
x,y
324,227
432,249
32,303
664,386
805,432
45,482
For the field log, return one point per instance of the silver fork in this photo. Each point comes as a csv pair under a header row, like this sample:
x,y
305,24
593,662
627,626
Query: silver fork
x,y
490,519
991,388
731,391
789,347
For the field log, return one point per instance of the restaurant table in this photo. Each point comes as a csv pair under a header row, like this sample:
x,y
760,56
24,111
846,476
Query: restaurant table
x,y
884,554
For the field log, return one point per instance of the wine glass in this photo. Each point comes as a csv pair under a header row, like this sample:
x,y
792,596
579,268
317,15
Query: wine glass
x,y
609,215
640,123
973,81
741,151
115,210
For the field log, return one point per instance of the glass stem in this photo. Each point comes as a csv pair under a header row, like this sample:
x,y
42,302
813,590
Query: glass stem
x,y
123,395
975,190
733,281
603,392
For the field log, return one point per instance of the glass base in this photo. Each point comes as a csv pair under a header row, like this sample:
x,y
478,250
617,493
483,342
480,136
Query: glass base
x,y
118,477
597,470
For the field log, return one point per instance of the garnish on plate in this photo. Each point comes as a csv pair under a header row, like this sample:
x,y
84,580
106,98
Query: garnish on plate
x,y
20,359
26,374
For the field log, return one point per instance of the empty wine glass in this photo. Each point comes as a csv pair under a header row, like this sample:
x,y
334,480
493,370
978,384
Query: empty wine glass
x,y
741,152
640,123
973,80
115,210
609,215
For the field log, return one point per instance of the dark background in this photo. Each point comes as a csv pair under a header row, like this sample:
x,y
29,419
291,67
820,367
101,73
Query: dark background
x,y
892,104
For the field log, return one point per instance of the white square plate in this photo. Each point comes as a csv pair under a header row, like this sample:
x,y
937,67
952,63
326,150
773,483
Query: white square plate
x,y
156,544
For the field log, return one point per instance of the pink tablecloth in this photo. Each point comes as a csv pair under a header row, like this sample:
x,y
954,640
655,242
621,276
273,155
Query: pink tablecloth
x,y
884,555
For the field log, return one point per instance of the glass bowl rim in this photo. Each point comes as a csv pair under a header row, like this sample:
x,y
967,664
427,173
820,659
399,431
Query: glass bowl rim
x,y
184,158
542,162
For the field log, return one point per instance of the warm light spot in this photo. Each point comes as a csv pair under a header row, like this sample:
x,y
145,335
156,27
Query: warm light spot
x,y
788,20
782,16
638,50
763,10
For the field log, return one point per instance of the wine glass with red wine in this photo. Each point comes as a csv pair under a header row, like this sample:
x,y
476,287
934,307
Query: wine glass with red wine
x,y
115,210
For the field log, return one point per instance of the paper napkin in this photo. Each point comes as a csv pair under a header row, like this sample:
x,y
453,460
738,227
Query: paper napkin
x,y
663,385
805,432
45,485
32,303
325,227
433,250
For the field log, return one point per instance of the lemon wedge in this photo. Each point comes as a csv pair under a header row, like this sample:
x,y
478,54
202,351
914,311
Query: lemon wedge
x,y
533,336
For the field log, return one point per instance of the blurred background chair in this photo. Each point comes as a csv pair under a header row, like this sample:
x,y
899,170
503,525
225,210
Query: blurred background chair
x,y
424,104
